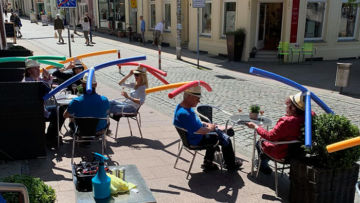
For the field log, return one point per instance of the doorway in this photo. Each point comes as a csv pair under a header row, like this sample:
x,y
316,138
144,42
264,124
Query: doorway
x,y
270,21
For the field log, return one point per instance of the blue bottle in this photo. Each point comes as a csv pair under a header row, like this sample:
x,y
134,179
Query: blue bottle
x,y
101,182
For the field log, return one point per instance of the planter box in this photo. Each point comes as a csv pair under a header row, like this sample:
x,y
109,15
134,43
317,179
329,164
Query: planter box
x,y
316,185
235,46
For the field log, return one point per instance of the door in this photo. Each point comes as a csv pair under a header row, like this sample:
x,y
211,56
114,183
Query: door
x,y
262,26
270,21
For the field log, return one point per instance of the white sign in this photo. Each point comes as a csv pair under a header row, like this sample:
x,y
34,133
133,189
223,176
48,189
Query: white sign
x,y
198,3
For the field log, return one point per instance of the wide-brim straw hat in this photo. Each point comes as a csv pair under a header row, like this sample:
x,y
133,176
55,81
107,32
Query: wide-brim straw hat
x,y
29,63
86,76
298,100
195,91
140,70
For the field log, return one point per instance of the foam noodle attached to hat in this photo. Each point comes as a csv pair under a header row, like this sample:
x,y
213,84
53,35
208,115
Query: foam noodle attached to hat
x,y
189,85
165,87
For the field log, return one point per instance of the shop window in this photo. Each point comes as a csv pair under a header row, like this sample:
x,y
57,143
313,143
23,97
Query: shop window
x,y
205,19
229,15
167,17
315,14
152,18
348,20
104,13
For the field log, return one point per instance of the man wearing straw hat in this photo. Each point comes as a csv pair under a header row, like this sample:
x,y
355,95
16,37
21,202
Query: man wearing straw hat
x,y
186,118
89,105
287,128
32,73
63,75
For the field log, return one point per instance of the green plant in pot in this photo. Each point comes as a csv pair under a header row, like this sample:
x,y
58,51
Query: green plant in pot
x,y
235,43
326,177
38,191
254,111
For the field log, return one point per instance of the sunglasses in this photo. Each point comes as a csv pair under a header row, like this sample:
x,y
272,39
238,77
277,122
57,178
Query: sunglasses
x,y
136,75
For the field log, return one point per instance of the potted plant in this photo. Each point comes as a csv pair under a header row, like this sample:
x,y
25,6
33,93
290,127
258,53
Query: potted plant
x,y
235,43
38,191
254,111
322,177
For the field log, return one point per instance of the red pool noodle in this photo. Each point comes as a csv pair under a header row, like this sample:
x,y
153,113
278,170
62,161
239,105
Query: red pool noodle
x,y
187,86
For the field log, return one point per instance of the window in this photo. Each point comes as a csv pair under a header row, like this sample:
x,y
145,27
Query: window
x,y
205,19
348,20
104,13
167,17
229,17
315,13
152,15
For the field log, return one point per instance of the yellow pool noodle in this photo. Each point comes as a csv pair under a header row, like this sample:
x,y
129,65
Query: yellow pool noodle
x,y
165,87
343,144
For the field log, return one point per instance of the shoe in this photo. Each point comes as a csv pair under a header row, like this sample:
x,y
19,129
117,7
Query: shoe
x,y
92,42
234,167
265,169
209,166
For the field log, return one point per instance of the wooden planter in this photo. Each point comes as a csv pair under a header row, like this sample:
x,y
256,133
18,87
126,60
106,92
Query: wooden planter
x,y
317,185
253,116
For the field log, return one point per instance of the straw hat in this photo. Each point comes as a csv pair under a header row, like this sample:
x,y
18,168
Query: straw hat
x,y
298,100
85,78
195,91
29,63
140,70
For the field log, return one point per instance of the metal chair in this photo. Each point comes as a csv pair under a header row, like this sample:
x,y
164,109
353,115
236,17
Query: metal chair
x,y
185,145
85,131
133,116
205,113
15,187
52,103
283,50
293,147
307,49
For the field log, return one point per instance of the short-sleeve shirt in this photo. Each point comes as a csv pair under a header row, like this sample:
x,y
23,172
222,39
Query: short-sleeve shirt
x,y
138,93
90,105
142,26
187,119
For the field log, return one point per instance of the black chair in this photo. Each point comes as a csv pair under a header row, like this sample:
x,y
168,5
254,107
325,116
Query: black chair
x,y
52,103
185,145
85,131
134,116
293,151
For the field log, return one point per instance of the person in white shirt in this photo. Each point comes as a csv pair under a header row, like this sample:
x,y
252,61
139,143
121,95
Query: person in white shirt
x,y
86,30
159,29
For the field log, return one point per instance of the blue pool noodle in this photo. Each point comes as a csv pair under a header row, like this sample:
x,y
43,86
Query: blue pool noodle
x,y
80,75
308,118
89,81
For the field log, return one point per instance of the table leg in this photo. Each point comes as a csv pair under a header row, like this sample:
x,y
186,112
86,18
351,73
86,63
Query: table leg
x,y
253,154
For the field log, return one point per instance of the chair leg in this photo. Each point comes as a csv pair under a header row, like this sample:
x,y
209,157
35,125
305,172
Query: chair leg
x,y
130,127
191,164
276,180
139,118
139,127
117,126
177,158
73,149
57,127
103,143
259,166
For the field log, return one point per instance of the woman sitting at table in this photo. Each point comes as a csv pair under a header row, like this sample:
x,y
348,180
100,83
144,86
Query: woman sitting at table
x,y
137,96
286,129
63,75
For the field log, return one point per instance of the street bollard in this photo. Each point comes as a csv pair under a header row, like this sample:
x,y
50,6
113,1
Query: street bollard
x,y
159,47
118,52
342,75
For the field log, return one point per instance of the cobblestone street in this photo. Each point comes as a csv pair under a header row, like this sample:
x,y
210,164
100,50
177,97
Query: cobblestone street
x,y
231,90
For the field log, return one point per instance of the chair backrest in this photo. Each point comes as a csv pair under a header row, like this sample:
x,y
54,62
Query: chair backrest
x,y
207,111
308,47
86,126
183,135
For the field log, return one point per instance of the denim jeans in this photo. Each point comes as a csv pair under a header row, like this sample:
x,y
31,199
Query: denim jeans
x,y
121,107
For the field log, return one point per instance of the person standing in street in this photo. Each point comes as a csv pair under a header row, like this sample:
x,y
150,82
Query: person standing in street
x,y
59,26
90,32
17,24
159,29
142,28
86,29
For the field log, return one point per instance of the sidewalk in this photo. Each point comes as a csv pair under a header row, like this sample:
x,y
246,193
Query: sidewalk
x,y
154,155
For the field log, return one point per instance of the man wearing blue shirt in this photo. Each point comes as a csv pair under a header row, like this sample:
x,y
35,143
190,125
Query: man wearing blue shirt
x,y
142,28
89,105
186,118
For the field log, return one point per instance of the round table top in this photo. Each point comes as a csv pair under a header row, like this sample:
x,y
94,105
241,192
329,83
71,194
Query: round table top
x,y
243,118
64,99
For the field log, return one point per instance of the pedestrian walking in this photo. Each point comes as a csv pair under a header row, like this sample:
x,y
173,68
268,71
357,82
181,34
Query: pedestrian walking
x,y
142,28
58,27
17,23
86,29
90,32
159,29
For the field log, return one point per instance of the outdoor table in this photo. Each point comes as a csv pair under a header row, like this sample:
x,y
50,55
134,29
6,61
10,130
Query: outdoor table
x,y
132,175
242,120
64,99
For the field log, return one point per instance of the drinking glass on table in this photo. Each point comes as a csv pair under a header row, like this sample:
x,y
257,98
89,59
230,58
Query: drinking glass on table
x,y
261,116
74,88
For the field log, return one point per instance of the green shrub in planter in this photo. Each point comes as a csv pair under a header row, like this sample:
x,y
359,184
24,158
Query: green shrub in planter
x,y
328,129
37,189
254,108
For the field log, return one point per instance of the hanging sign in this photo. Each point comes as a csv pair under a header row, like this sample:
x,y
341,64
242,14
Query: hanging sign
x,y
294,21
66,3
133,3
198,3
